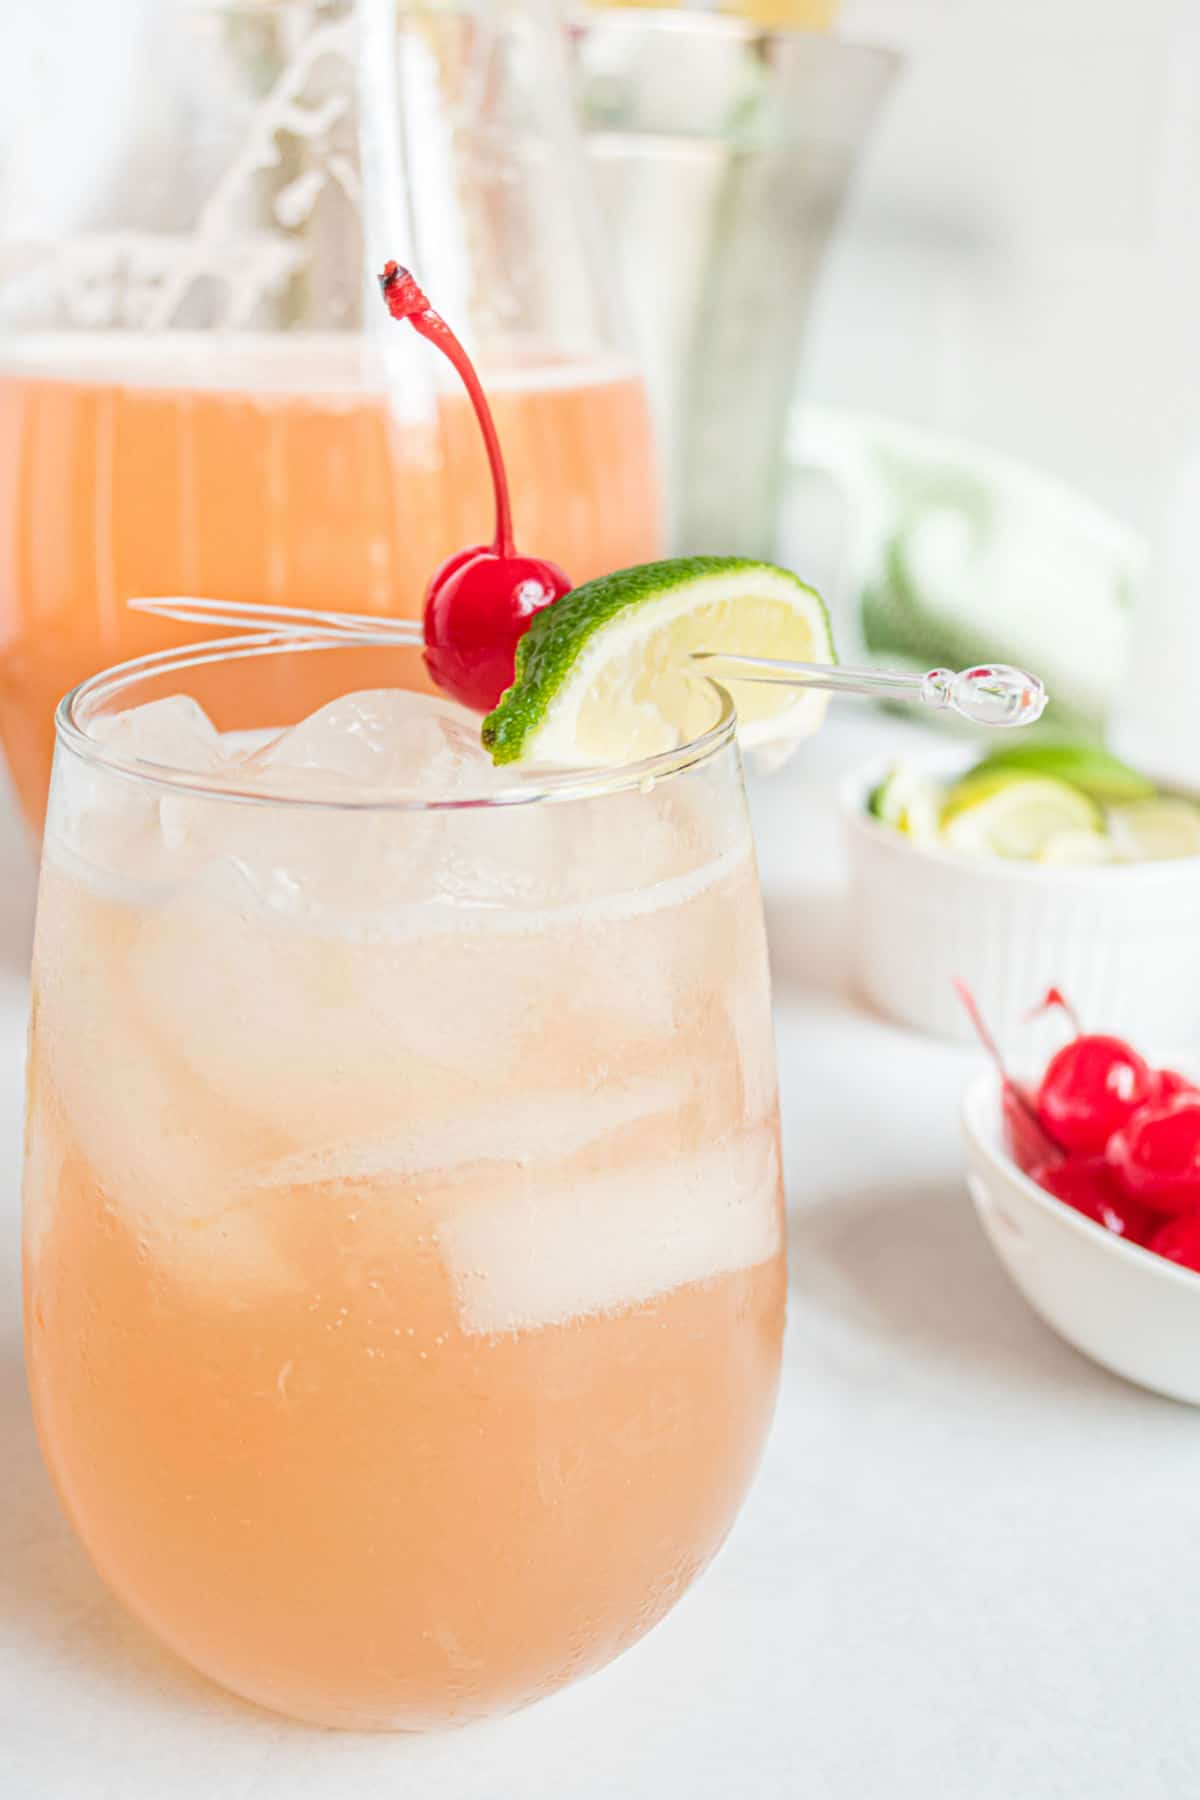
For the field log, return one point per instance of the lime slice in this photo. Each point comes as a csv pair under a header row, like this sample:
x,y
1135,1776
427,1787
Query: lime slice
x,y
1076,849
603,675
1095,772
909,803
1155,830
1013,815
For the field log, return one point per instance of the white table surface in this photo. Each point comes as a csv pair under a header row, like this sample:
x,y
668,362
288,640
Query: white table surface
x,y
970,1567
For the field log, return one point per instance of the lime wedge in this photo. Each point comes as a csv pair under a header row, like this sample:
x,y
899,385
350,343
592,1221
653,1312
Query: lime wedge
x,y
603,674
1155,830
1013,815
1095,772
1076,849
909,803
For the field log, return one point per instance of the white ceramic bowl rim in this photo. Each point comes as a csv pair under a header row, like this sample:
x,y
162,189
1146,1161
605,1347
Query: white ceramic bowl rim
x,y
981,1115
855,789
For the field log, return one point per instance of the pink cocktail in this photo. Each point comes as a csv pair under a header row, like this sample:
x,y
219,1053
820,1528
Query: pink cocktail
x,y
404,1238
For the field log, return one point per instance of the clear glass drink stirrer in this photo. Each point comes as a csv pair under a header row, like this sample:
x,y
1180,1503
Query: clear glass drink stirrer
x,y
990,694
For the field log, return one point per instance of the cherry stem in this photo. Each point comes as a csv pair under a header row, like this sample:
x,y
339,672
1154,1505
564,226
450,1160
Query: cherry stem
x,y
405,300
980,1024
990,1045
1055,998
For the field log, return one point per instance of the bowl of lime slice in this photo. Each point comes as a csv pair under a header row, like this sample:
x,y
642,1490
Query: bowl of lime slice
x,y
1042,863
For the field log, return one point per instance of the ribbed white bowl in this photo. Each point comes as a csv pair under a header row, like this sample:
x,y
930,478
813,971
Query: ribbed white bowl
x,y
1129,1310
1122,942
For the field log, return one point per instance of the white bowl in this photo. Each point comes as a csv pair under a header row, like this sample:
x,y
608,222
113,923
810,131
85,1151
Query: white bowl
x,y
1131,1311
1122,941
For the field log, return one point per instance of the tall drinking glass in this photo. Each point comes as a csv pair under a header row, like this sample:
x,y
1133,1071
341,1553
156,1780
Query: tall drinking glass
x,y
199,391
404,1251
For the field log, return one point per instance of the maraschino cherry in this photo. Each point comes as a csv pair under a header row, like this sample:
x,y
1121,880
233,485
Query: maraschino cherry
x,y
1092,1087
1169,1084
1179,1241
1087,1184
480,601
1156,1155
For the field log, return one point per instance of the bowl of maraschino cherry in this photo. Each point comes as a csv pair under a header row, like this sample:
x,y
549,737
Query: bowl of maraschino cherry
x,y
1086,1179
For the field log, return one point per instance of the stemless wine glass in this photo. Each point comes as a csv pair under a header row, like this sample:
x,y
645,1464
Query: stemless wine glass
x,y
199,391
404,1248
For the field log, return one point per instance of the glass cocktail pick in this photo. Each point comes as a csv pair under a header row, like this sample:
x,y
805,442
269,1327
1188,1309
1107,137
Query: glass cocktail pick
x,y
989,694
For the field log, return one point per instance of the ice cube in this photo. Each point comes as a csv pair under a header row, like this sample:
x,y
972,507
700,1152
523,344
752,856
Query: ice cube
x,y
314,1034
385,739
387,743
325,1026
167,1153
131,831
531,1252
419,748
551,1128
175,733
123,831
302,980
340,972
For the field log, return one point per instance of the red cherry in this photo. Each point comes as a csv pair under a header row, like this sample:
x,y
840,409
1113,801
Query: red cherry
x,y
480,602
474,617
1156,1157
446,569
1169,1084
1086,1183
1179,1241
1090,1089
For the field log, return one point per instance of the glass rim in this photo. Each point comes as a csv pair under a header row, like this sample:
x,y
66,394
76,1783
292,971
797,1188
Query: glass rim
x,y
557,784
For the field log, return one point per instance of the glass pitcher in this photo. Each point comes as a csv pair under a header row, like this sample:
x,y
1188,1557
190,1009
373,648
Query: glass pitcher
x,y
199,391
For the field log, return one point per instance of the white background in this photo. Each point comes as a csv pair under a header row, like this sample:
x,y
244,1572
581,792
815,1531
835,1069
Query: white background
x,y
1020,260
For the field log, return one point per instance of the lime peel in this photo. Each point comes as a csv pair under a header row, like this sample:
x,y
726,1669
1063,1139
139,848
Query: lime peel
x,y
1095,772
602,675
